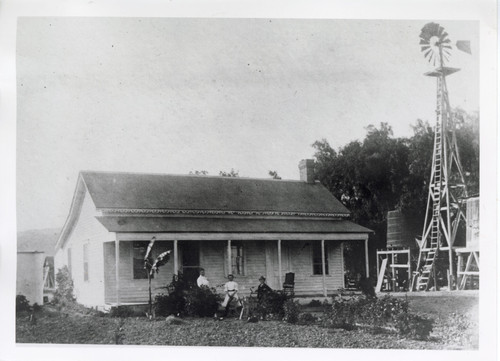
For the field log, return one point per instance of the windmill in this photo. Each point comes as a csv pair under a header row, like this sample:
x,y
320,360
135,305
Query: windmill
x,y
447,189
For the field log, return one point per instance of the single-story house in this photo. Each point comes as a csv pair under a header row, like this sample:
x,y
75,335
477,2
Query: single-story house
x,y
247,227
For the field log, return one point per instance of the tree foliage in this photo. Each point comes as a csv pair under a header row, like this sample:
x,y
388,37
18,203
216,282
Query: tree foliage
x,y
198,172
274,174
231,173
383,173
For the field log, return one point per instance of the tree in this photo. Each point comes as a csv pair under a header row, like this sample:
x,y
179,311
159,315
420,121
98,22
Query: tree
x,y
231,173
274,174
198,172
383,173
365,176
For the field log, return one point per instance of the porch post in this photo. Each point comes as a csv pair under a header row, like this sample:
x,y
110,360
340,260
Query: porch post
x,y
343,265
117,270
279,263
323,267
366,259
176,258
229,265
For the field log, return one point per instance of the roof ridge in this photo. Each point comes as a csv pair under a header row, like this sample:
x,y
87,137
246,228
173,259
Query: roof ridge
x,y
193,176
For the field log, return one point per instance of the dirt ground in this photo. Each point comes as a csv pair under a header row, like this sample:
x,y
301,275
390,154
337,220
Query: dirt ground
x,y
455,327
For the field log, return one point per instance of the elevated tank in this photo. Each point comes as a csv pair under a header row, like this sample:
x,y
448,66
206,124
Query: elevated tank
x,y
400,232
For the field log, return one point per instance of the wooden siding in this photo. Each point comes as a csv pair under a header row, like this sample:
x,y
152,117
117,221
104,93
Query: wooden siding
x,y
134,290
87,231
261,258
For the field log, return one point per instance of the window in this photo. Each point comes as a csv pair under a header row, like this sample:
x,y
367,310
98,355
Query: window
x,y
86,262
316,258
237,259
69,261
139,251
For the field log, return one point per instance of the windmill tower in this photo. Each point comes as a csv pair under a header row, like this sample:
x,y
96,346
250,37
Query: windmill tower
x,y
447,189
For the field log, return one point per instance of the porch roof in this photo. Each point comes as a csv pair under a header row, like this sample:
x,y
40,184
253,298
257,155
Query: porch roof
x,y
132,191
228,225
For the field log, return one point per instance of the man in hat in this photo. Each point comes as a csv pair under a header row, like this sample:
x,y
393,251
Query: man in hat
x,y
263,289
231,290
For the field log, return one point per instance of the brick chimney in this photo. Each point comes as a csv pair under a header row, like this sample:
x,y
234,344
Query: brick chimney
x,y
306,168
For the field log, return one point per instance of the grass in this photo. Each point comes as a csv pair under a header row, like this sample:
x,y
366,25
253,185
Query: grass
x,y
450,331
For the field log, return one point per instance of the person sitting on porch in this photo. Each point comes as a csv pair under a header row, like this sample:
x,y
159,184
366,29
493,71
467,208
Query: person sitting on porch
x,y
231,290
202,281
263,289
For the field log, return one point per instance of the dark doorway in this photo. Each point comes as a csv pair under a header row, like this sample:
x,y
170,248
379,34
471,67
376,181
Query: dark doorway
x,y
354,263
190,260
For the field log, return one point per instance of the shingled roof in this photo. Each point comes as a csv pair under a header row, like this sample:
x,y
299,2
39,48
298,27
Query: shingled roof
x,y
134,191
231,225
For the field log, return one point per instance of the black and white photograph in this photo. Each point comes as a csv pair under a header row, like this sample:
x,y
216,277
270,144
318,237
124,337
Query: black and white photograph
x,y
261,183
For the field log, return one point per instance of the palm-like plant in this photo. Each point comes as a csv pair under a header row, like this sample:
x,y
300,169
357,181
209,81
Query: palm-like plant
x,y
152,267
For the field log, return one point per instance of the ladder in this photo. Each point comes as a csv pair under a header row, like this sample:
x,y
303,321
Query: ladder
x,y
432,237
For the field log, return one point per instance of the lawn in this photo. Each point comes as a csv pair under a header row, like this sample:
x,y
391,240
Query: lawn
x,y
450,331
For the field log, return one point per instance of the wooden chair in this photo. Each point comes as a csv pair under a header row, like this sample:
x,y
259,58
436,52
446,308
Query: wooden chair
x,y
289,285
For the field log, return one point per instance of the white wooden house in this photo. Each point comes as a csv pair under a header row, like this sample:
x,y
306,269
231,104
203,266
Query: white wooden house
x,y
247,227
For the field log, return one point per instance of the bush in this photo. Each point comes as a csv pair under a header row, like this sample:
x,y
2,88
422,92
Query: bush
x,y
413,326
22,304
182,299
366,286
291,310
64,286
315,303
307,319
121,311
173,303
166,305
382,311
272,305
202,302
364,310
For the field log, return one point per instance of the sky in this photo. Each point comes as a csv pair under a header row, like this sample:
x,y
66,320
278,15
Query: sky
x,y
167,95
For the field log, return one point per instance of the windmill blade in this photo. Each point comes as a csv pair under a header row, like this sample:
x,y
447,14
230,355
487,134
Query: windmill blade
x,y
464,45
428,31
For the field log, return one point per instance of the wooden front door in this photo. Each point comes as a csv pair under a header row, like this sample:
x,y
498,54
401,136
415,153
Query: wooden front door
x,y
190,260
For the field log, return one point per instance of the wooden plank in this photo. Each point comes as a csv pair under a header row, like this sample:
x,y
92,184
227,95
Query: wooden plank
x,y
279,265
464,279
381,275
476,258
393,251
323,267
242,236
117,270
400,266
367,262
342,263
229,265
176,258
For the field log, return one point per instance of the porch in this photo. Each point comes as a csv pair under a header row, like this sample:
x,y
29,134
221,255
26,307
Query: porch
x,y
317,260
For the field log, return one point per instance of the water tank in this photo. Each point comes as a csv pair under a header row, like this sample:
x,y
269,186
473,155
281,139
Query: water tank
x,y
472,234
399,231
